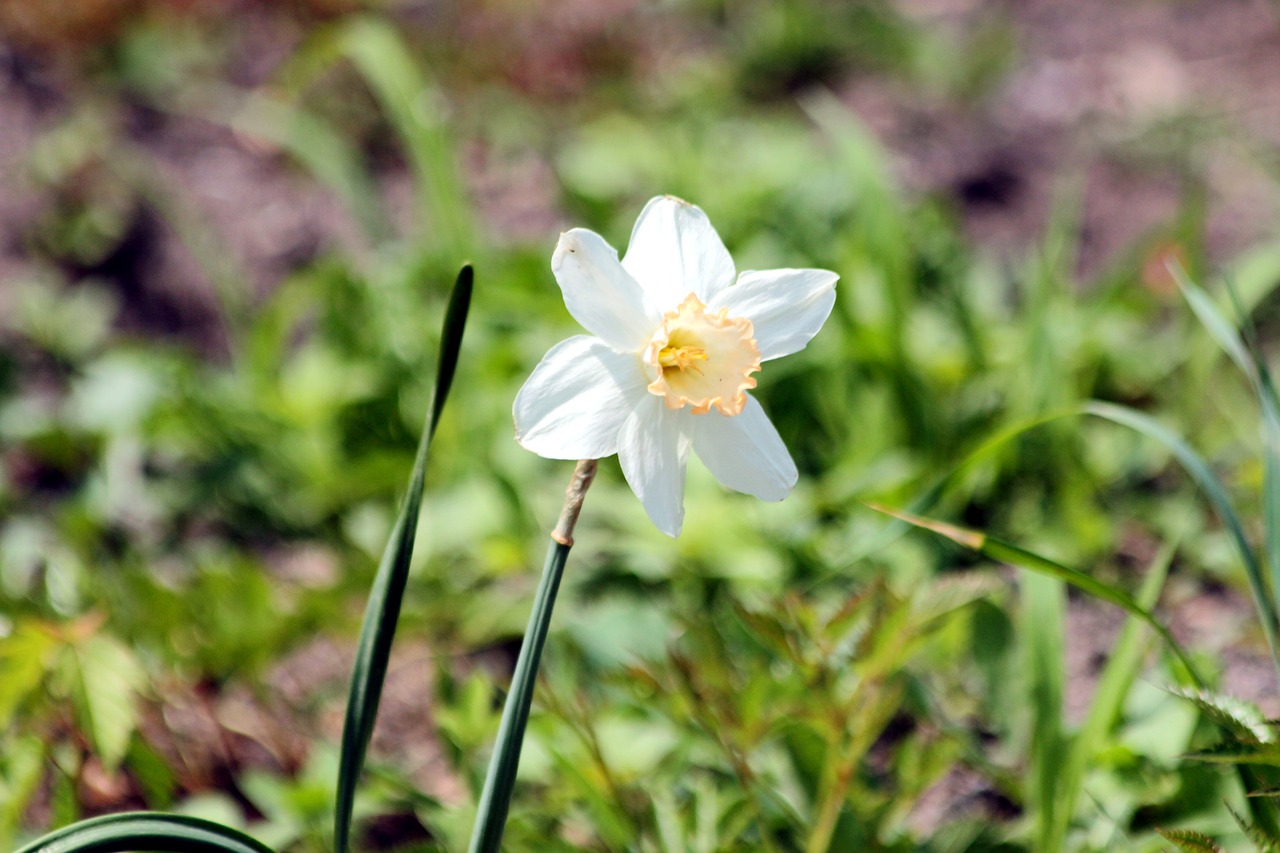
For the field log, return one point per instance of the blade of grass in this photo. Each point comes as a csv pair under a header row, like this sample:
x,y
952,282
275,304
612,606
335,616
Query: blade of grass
x,y
1049,276
1214,322
1200,472
1192,463
866,164
1263,841
881,232
930,496
1108,697
1269,402
148,832
1042,598
1237,342
1013,555
1265,818
316,145
413,107
1271,497
1043,609
387,594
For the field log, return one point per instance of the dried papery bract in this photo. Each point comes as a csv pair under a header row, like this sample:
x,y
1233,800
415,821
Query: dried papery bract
x,y
583,475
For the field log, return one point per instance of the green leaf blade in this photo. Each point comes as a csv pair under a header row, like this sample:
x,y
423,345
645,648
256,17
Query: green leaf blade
x,y
1204,477
387,594
147,832
1214,321
1013,555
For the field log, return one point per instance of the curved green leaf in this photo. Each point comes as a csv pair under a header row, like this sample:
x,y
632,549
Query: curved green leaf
x,y
1199,471
1006,552
930,496
146,832
383,609
1242,346
1106,706
1192,463
1214,321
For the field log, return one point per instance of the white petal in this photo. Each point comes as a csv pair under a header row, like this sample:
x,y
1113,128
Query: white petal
x,y
786,307
745,453
600,294
577,399
653,450
674,251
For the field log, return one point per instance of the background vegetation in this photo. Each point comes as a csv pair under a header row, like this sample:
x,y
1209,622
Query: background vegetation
x,y
228,233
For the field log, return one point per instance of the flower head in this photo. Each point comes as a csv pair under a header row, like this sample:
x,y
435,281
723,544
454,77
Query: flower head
x,y
677,337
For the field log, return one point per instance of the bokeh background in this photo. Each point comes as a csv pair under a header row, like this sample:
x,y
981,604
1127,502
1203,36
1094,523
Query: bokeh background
x,y
227,231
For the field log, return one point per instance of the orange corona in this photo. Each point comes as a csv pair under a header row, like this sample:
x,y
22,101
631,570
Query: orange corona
x,y
699,359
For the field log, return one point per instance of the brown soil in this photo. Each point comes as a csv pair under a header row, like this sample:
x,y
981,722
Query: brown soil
x,y
1136,103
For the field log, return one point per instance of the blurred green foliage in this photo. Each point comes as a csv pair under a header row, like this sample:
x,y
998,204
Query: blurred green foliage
x,y
184,513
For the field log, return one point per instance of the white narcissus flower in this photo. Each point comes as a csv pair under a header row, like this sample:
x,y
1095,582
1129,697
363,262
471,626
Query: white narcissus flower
x,y
674,343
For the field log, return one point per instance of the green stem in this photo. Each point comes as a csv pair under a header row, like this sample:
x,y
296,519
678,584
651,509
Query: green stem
x,y
836,789
495,799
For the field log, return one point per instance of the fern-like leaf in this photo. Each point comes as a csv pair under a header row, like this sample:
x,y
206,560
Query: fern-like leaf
x,y
1240,719
1262,840
1190,841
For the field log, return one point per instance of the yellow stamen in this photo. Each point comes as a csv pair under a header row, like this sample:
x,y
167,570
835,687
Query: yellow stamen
x,y
682,358
699,359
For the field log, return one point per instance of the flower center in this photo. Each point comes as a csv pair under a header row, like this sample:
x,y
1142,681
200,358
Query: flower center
x,y
699,359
